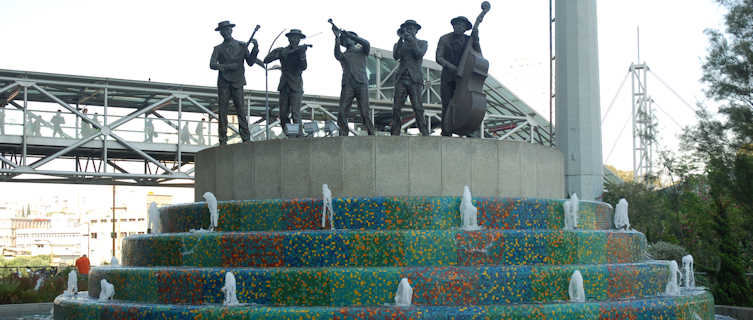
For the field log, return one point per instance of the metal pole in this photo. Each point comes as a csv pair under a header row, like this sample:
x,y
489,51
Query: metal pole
x,y
266,84
632,78
114,234
638,28
26,125
482,127
551,75
104,137
266,98
180,133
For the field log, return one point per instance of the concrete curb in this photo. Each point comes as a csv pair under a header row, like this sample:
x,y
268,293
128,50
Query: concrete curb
x,y
21,309
739,313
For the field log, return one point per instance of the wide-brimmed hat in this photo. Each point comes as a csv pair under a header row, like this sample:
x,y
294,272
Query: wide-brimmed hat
x,y
350,34
295,32
463,20
224,24
410,22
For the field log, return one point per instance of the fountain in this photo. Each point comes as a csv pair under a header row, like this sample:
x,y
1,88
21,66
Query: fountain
x,y
38,284
575,290
72,289
408,251
571,207
114,262
404,294
688,275
327,207
621,221
154,219
673,285
228,290
468,212
213,214
107,290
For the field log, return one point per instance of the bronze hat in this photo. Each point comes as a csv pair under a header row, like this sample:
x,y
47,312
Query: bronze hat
x,y
224,24
295,32
410,22
463,20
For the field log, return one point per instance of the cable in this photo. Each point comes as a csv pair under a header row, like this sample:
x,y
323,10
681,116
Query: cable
x,y
618,139
673,91
611,104
668,115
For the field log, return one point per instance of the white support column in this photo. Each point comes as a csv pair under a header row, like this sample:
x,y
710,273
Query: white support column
x,y
25,128
578,119
180,132
104,137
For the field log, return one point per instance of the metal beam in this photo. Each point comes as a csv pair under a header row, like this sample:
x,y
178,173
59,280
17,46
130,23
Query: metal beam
x,y
210,113
65,151
135,114
8,87
138,151
8,162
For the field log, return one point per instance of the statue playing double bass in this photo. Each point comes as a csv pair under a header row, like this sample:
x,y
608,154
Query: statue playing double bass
x,y
464,71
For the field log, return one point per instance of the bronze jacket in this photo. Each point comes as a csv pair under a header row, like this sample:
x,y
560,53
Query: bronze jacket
x,y
231,56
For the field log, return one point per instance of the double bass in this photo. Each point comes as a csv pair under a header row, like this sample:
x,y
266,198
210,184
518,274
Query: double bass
x,y
468,103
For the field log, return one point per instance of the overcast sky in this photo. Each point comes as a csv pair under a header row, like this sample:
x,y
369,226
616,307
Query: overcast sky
x,y
171,41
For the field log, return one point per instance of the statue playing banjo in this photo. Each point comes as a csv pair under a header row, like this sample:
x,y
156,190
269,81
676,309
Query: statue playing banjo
x,y
228,58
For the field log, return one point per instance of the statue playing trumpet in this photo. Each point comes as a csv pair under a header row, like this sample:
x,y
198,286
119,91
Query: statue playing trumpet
x,y
355,83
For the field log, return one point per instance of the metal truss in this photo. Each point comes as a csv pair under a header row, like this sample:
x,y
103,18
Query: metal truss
x,y
644,127
116,146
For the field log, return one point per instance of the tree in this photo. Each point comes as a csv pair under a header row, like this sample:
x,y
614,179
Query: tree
x,y
724,147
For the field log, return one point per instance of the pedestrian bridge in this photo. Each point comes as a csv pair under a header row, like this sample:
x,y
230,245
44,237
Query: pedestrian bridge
x,y
60,128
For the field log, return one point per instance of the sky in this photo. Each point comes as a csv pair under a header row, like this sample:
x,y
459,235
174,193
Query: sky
x,y
171,41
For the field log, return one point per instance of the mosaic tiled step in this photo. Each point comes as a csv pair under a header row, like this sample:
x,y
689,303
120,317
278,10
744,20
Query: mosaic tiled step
x,y
444,286
382,213
343,248
690,306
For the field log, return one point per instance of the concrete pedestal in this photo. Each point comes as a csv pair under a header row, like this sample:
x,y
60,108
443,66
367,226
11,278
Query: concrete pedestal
x,y
379,166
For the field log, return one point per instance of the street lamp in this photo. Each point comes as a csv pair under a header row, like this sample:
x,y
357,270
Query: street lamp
x,y
266,81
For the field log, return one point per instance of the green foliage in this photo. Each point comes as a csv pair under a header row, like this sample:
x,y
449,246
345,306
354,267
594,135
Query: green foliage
x,y
667,251
709,208
19,287
645,206
725,147
35,261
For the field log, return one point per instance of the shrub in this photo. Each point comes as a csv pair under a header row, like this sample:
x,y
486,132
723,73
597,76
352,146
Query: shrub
x,y
667,251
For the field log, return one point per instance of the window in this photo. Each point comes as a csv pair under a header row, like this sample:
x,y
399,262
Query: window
x,y
94,235
141,219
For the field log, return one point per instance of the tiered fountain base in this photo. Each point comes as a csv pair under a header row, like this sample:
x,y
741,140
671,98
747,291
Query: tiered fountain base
x,y
287,265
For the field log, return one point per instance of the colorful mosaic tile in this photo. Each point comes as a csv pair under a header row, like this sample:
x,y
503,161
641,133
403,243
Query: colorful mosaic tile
x,y
345,248
382,213
376,286
287,266
698,305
